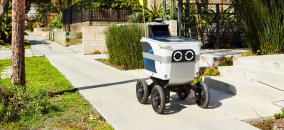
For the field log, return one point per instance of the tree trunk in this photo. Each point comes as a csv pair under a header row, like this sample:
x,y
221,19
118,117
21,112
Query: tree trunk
x,y
4,7
18,50
222,1
200,26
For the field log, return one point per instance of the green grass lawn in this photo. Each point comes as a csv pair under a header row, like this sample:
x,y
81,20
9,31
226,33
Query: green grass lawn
x,y
9,47
50,101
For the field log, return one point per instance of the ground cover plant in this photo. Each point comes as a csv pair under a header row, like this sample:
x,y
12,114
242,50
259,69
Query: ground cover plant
x,y
124,46
206,72
262,22
270,124
49,101
106,61
248,53
279,115
226,62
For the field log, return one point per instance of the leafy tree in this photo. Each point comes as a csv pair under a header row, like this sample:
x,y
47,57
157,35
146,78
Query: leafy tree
x,y
56,23
56,7
6,28
4,6
112,4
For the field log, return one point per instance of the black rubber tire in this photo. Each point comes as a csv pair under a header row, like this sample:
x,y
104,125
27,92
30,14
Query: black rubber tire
x,y
143,95
204,100
182,94
158,99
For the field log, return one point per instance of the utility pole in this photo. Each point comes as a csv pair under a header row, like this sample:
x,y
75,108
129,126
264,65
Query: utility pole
x,y
18,50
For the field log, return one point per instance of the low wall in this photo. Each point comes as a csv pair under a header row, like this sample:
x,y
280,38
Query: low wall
x,y
38,31
60,37
172,27
42,33
94,39
65,38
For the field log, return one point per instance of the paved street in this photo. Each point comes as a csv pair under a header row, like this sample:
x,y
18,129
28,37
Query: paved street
x,y
112,93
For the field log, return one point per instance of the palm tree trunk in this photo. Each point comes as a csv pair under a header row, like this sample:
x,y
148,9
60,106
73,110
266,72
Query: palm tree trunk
x,y
18,50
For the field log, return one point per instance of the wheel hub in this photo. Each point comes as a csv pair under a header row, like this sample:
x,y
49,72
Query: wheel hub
x,y
157,99
140,92
182,93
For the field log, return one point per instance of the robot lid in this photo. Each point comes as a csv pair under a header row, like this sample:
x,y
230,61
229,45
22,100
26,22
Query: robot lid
x,y
173,40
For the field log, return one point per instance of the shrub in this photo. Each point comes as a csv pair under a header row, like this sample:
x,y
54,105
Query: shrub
x,y
226,62
16,102
247,54
124,46
136,17
154,11
262,22
207,72
279,115
56,23
31,26
96,52
6,28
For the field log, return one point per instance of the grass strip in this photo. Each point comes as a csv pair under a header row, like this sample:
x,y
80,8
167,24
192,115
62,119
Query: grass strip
x,y
9,47
49,101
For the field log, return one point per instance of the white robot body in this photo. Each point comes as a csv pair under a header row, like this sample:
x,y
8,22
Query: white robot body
x,y
172,58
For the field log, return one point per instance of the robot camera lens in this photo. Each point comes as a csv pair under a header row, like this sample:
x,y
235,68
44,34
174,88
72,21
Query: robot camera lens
x,y
177,56
189,55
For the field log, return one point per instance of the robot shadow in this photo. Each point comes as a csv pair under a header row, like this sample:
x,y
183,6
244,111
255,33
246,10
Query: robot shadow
x,y
176,105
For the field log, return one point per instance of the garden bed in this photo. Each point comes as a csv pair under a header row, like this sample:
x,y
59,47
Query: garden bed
x,y
272,124
49,101
105,61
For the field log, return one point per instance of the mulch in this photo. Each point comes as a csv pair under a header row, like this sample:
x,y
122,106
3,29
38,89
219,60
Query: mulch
x,y
271,124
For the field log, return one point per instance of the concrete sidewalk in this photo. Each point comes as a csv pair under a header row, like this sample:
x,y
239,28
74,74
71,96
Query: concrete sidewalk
x,y
112,93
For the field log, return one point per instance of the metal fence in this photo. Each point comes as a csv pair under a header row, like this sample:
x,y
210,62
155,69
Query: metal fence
x,y
86,10
214,24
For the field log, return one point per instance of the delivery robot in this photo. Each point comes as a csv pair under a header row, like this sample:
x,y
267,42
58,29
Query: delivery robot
x,y
172,64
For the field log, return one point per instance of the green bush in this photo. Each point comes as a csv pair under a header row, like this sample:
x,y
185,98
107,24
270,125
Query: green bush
x,y
262,22
248,53
6,28
16,102
207,72
124,46
279,115
56,23
136,17
153,12
31,26
226,62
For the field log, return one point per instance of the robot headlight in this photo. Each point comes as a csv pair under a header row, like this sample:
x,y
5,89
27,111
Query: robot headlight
x,y
183,56
177,56
189,55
